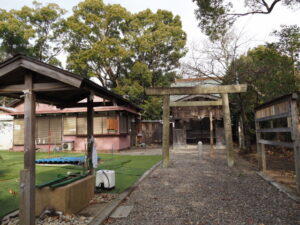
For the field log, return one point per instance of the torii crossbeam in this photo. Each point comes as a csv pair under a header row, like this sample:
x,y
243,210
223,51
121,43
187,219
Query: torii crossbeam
x,y
224,90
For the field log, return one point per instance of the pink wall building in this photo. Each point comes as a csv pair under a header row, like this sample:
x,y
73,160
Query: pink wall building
x,y
65,129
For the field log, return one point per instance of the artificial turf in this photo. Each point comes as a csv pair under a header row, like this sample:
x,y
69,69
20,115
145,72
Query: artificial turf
x,y
128,169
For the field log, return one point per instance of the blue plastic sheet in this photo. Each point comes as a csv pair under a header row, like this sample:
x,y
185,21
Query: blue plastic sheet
x,y
62,160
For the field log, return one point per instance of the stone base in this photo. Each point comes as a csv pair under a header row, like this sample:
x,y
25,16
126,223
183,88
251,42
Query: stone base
x,y
69,199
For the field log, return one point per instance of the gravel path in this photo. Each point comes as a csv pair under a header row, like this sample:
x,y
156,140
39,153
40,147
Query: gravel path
x,y
205,191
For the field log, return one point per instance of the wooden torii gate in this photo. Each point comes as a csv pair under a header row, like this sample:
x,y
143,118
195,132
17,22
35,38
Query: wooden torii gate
x,y
224,90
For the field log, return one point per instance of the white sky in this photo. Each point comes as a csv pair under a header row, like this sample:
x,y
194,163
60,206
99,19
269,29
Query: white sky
x,y
257,27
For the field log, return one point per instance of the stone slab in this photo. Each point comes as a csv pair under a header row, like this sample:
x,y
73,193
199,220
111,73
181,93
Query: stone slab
x,y
121,212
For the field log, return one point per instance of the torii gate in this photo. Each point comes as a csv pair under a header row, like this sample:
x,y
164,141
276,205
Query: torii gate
x,y
224,90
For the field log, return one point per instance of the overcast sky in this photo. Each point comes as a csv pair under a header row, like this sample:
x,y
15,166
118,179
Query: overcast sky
x,y
256,28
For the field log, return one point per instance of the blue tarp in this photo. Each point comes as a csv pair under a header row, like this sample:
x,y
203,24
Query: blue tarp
x,y
62,160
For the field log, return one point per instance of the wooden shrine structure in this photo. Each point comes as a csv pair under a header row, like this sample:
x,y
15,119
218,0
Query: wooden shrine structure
x,y
35,81
285,109
201,89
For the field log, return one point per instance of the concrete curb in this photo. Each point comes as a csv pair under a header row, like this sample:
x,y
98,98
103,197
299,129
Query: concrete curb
x,y
286,190
108,210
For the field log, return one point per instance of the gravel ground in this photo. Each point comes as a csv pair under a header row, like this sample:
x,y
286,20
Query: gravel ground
x,y
205,191
51,217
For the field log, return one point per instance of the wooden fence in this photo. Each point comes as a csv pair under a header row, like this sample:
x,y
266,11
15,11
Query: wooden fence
x,y
267,116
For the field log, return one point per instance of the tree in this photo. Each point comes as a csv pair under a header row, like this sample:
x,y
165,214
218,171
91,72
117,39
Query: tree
x,y
216,16
127,52
289,43
97,45
158,44
268,74
14,34
36,31
106,41
47,23
213,61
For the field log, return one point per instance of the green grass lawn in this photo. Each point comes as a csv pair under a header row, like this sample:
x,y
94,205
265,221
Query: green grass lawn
x,y
128,169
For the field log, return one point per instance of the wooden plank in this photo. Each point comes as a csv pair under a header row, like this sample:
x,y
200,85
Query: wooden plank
x,y
275,130
296,139
276,143
201,89
278,116
166,131
27,203
90,133
228,131
196,103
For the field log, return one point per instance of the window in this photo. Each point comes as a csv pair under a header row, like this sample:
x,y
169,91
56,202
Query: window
x,y
70,125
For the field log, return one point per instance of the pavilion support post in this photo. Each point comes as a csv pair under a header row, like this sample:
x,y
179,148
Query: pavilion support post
x,y
166,131
296,141
90,134
228,131
27,176
211,128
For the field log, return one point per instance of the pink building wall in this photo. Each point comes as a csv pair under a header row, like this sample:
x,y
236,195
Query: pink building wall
x,y
103,143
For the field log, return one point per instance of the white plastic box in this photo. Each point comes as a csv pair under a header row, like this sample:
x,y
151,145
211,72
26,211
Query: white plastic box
x,y
105,178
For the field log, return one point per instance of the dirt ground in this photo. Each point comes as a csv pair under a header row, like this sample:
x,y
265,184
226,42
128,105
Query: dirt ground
x,y
280,165
203,190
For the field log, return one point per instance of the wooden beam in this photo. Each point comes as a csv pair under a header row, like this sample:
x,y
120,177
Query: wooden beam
x,y
278,116
84,104
196,103
27,184
37,87
90,133
202,89
228,131
275,130
166,132
276,143
9,68
53,86
7,89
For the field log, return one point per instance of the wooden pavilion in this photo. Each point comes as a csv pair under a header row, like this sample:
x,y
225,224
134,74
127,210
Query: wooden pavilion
x,y
35,81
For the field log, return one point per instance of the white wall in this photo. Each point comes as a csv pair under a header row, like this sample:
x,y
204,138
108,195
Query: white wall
x,y
6,133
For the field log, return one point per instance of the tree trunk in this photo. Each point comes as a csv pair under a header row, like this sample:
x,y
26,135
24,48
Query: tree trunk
x,y
246,148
